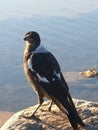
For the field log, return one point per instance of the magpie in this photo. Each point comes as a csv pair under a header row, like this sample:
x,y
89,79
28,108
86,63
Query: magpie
x,y
44,75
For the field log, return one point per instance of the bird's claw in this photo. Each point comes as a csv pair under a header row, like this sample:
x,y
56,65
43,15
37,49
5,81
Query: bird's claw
x,y
28,115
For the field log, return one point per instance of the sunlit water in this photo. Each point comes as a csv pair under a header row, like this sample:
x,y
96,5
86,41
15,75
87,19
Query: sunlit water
x,y
67,28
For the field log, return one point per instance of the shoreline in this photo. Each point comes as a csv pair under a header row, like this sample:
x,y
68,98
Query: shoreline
x,y
4,116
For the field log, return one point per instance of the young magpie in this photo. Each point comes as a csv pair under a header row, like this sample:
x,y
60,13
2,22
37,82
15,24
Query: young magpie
x,y
44,75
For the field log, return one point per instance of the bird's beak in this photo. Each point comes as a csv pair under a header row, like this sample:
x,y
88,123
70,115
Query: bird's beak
x,y
26,38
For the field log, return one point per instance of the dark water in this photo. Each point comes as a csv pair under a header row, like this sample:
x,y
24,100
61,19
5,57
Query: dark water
x,y
68,29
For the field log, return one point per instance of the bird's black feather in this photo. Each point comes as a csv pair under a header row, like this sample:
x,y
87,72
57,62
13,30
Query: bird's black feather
x,y
45,65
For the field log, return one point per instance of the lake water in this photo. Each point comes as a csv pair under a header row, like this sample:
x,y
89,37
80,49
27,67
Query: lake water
x,y
67,28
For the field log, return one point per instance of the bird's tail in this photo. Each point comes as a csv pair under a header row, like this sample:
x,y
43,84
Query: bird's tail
x,y
64,101
68,107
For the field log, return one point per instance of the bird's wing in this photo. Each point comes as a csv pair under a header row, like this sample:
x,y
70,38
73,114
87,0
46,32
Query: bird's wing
x,y
45,65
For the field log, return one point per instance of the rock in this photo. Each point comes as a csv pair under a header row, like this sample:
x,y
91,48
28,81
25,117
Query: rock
x,y
55,120
90,73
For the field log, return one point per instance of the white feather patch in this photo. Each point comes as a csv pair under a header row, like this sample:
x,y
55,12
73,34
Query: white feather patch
x,y
57,74
30,65
40,49
43,79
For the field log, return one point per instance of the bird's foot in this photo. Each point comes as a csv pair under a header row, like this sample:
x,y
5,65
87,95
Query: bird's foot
x,y
28,115
31,115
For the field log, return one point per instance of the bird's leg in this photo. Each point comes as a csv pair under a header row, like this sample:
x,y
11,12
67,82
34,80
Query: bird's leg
x,y
50,105
40,102
36,110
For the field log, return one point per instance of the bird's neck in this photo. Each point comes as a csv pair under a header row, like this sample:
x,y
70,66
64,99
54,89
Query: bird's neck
x,y
29,48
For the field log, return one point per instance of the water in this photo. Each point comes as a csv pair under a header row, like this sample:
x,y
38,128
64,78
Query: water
x,y
67,28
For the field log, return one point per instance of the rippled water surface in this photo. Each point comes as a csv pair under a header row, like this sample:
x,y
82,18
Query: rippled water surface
x,y
67,28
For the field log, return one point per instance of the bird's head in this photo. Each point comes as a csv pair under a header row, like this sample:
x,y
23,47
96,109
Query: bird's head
x,y
33,39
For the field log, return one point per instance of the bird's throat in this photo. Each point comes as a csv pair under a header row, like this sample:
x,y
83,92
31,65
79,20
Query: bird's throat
x,y
28,48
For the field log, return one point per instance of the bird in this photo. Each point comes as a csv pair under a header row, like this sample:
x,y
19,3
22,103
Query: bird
x,y
45,76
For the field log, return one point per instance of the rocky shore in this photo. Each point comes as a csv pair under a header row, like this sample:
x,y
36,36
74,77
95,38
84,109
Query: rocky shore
x,y
55,120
